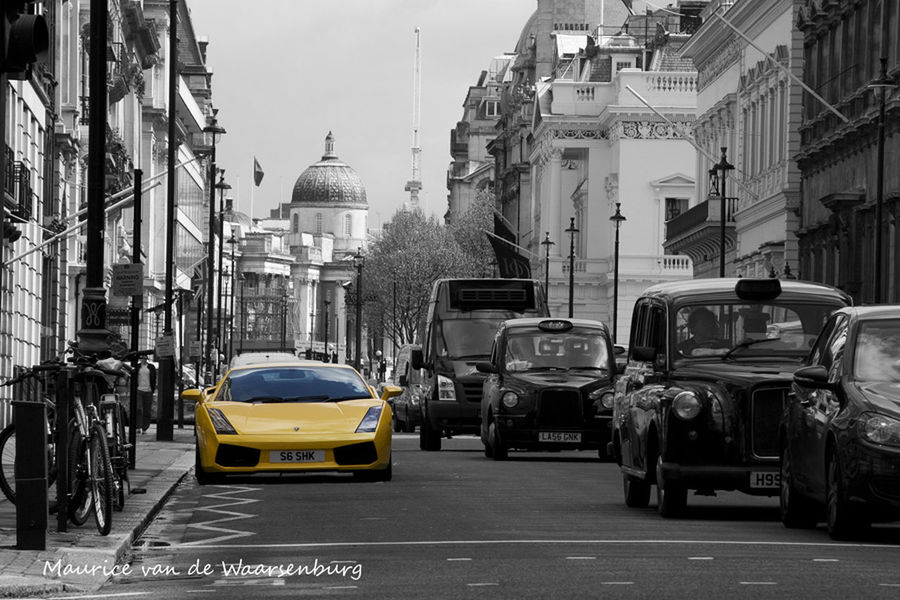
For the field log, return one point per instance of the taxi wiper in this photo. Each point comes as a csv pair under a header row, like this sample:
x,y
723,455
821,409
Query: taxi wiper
x,y
588,368
747,344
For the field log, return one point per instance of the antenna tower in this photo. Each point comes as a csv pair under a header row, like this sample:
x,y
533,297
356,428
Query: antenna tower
x,y
415,184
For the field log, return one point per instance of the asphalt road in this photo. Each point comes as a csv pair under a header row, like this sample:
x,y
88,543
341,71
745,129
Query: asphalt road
x,y
454,524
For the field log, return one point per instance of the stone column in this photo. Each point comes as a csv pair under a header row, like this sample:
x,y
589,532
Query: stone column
x,y
554,202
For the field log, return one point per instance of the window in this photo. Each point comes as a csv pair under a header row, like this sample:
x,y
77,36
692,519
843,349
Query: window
x,y
491,108
623,65
318,223
675,206
348,226
295,226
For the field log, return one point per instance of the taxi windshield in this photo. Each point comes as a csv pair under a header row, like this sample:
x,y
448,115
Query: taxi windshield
x,y
293,384
580,348
735,330
877,355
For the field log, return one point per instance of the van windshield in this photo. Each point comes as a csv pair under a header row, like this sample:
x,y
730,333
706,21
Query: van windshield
x,y
463,339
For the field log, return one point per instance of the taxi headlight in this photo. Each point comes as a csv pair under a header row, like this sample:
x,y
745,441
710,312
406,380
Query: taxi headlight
x,y
602,397
686,405
510,399
880,429
220,422
370,421
446,389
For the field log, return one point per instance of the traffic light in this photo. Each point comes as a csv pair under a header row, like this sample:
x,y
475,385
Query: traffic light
x,y
11,232
26,40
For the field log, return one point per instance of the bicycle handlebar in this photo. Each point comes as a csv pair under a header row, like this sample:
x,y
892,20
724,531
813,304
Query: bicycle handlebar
x,y
33,371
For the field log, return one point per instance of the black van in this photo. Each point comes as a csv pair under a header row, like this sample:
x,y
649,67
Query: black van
x,y
463,316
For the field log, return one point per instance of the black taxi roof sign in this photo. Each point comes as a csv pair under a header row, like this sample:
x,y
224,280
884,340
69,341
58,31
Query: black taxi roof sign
x,y
555,325
758,289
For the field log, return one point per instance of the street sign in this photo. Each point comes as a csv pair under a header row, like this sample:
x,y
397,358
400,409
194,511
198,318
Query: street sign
x,y
194,348
118,315
165,345
127,279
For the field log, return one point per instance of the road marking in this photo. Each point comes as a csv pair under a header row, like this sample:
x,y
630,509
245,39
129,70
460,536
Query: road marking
x,y
119,595
616,583
758,583
202,591
825,560
192,546
889,584
700,558
581,558
481,584
231,515
340,587
457,559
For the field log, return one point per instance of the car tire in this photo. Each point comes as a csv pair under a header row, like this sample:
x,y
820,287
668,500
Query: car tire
x,y
637,491
429,439
203,477
844,522
396,423
797,511
498,450
671,497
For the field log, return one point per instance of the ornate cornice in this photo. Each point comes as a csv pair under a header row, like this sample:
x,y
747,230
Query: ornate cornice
x,y
649,130
721,61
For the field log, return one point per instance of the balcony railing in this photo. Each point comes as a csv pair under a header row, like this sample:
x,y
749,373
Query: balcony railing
x,y
670,88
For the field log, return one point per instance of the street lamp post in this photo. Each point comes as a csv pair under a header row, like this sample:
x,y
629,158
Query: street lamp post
x,y
220,336
284,299
233,241
243,280
617,218
571,231
723,166
326,302
546,244
882,86
358,260
215,130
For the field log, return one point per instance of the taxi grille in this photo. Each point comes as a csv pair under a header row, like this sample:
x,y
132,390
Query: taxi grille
x,y
236,456
559,408
356,454
472,390
766,408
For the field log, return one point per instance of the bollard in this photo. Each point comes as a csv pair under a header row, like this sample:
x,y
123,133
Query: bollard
x,y
31,475
64,397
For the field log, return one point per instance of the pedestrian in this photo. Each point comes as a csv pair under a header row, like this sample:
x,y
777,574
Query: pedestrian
x,y
146,388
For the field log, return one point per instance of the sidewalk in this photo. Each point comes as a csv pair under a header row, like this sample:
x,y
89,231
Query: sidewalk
x,y
159,468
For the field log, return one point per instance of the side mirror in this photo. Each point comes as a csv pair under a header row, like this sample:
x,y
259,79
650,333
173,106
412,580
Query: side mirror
x,y
815,377
403,380
390,391
416,359
618,350
644,353
485,367
192,395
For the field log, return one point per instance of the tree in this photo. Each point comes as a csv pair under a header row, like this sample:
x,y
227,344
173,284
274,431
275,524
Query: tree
x,y
469,232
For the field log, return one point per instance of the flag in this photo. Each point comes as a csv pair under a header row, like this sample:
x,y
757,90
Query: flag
x,y
257,172
511,263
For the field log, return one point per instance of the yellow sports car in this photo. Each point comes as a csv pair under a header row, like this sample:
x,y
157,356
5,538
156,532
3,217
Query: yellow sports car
x,y
304,416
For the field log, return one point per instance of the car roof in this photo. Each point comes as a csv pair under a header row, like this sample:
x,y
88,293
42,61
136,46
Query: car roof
x,y
875,311
535,321
723,288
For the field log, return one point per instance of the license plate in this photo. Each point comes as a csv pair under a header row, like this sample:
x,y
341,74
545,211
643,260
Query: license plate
x,y
297,456
765,479
559,436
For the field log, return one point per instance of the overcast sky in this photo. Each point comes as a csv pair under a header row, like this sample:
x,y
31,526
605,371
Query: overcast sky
x,y
286,72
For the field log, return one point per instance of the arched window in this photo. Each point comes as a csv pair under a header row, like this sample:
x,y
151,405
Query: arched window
x,y
318,223
295,228
347,224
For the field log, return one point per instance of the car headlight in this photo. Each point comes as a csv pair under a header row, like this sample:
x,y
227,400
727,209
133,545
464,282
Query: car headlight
x,y
370,421
510,399
880,429
686,405
446,389
602,395
220,422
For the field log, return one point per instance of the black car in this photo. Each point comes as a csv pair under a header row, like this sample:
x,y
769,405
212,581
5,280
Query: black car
x,y
699,405
840,438
407,407
549,386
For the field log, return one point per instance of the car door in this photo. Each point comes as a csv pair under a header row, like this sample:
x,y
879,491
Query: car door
x,y
827,404
806,423
630,401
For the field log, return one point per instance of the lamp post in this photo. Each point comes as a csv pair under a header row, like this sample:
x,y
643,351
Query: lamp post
x,y
723,166
242,279
882,87
233,241
571,231
617,218
220,337
358,260
215,130
284,299
326,302
546,244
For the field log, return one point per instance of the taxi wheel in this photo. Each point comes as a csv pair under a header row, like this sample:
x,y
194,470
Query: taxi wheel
x,y
671,497
637,491
843,521
797,512
498,450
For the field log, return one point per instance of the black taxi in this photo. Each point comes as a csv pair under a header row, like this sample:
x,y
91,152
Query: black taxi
x,y
549,386
709,371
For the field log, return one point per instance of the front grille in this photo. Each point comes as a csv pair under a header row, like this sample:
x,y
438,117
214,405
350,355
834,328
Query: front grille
x,y
766,408
472,390
559,408
236,456
356,454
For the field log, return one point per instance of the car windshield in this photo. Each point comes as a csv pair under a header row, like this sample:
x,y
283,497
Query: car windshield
x,y
293,384
467,338
877,356
742,329
580,348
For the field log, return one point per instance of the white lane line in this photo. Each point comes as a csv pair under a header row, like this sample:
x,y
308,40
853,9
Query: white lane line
x,y
341,587
119,595
825,560
700,558
457,559
581,558
889,584
482,584
616,583
193,546
758,583
202,591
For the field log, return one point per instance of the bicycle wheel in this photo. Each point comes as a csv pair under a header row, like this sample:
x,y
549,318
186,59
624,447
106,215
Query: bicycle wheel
x,y
119,455
80,498
8,461
101,478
